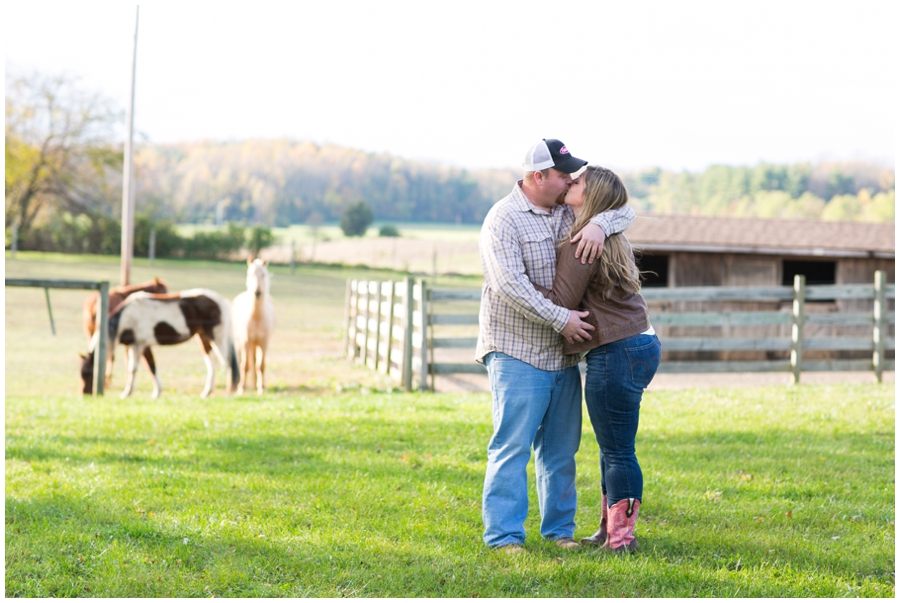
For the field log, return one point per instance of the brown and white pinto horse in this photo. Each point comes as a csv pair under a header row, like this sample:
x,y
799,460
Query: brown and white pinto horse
x,y
146,319
253,320
116,297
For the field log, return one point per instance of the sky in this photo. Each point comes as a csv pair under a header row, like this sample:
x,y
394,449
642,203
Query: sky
x,y
675,84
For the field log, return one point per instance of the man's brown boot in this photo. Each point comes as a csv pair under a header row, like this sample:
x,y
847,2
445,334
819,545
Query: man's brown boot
x,y
599,538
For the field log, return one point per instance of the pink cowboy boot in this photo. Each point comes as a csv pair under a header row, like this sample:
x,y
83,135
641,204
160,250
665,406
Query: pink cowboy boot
x,y
599,538
622,517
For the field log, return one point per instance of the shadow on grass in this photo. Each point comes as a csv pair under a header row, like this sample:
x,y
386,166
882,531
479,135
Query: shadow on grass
x,y
319,390
328,441
333,443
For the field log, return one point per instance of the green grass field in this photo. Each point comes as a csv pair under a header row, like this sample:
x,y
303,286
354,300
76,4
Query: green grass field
x,y
336,484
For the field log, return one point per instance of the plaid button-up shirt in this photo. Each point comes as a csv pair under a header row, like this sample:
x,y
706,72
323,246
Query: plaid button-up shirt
x,y
518,246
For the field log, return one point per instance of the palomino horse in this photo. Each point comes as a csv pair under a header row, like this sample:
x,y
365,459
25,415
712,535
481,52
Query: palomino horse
x,y
116,297
146,319
253,320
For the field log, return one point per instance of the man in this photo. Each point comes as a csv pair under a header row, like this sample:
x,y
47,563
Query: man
x,y
536,391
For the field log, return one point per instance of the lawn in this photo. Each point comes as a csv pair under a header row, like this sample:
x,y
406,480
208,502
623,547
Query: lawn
x,y
336,484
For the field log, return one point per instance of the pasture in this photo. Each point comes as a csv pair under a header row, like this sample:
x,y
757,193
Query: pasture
x,y
422,247
331,231
334,483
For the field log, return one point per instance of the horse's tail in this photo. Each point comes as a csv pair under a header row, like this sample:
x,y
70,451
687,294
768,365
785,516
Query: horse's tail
x,y
235,372
112,327
228,349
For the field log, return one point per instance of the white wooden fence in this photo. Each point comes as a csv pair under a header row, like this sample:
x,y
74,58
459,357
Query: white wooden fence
x,y
391,327
800,321
384,327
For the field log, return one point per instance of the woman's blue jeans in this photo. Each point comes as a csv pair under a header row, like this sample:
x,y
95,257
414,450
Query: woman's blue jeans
x,y
617,374
535,408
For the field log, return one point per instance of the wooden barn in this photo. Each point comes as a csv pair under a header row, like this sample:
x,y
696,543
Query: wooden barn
x,y
697,251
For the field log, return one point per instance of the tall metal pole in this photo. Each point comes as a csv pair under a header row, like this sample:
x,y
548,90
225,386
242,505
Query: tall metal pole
x,y
127,176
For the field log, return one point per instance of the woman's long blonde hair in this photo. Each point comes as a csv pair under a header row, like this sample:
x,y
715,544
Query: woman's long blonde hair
x,y
604,191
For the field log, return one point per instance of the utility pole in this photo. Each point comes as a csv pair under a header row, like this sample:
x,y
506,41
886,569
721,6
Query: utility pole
x,y
128,175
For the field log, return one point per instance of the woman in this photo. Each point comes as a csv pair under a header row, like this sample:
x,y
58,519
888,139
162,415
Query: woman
x,y
622,354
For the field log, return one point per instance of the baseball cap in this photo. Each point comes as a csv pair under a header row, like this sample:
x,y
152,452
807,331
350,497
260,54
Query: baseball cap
x,y
551,153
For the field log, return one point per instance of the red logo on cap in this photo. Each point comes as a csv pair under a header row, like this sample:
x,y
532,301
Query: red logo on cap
x,y
564,151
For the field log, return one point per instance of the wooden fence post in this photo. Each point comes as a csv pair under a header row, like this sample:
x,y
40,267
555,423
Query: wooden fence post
x,y
151,255
378,297
434,265
406,369
102,328
367,316
797,326
423,351
349,318
430,331
293,255
880,327
354,342
390,327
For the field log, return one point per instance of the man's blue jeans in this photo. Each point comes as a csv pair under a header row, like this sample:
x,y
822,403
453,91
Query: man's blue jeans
x,y
617,374
536,408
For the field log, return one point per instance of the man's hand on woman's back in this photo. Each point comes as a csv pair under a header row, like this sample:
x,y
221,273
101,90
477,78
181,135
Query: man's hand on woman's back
x,y
576,330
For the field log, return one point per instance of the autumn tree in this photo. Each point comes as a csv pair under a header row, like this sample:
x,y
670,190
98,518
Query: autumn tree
x,y
59,150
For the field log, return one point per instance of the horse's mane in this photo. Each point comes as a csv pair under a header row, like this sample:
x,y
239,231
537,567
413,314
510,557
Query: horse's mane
x,y
141,295
157,285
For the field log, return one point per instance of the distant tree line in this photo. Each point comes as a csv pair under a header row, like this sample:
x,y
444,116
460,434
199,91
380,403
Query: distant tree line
x,y
283,182
64,181
829,190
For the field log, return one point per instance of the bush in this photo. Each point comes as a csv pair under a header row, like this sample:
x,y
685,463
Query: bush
x,y
259,238
169,243
356,219
388,230
215,245
67,233
101,235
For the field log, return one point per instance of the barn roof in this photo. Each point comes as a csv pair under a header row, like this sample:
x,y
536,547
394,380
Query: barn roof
x,y
762,236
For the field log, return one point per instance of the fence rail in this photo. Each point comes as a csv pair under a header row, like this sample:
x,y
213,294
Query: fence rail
x,y
103,309
384,327
391,327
